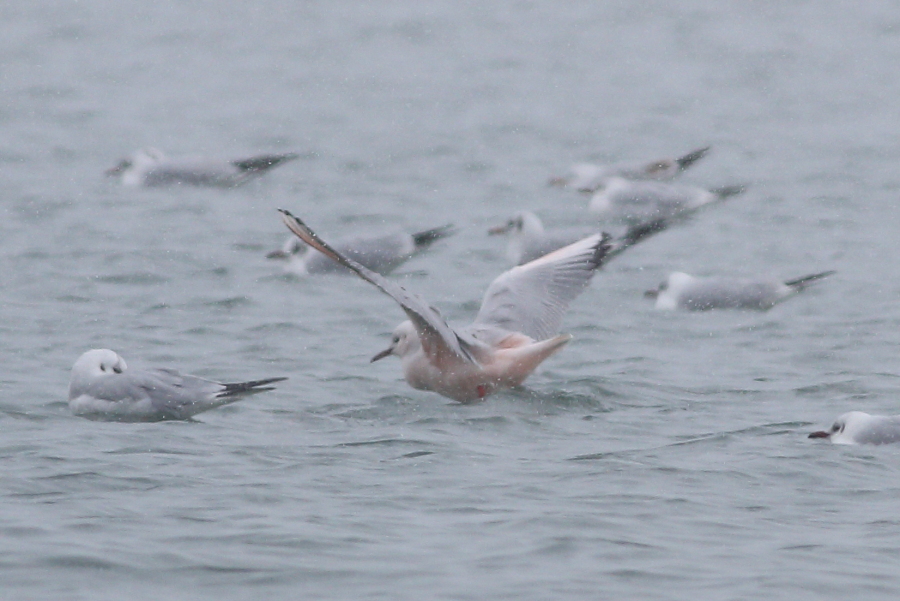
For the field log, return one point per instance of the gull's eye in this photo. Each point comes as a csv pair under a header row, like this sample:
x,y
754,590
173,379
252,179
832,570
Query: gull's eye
x,y
102,367
837,427
395,339
664,286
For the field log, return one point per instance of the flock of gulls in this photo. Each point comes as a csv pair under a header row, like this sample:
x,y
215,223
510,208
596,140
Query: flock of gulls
x,y
519,322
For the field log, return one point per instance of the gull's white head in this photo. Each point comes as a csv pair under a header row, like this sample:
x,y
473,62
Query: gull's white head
x,y
98,362
404,342
601,201
524,226
525,222
141,160
148,156
845,428
293,246
92,366
669,291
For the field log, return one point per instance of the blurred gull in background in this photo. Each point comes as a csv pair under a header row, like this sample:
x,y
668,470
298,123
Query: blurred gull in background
x,y
150,167
683,291
382,253
635,201
586,177
529,240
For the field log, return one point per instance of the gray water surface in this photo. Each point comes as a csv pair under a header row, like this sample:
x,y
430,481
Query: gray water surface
x,y
658,456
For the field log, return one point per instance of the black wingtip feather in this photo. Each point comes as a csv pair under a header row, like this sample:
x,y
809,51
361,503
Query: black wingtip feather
x,y
807,280
250,387
692,157
428,237
264,162
729,191
601,250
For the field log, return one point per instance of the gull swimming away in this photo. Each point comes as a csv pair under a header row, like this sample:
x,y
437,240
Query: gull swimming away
x,y
103,388
382,254
529,240
150,167
515,330
586,177
683,291
857,427
634,201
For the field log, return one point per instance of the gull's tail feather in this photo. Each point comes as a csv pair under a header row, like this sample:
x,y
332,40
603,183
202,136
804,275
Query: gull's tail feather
x,y
546,348
264,162
247,388
729,191
528,357
692,157
423,240
800,284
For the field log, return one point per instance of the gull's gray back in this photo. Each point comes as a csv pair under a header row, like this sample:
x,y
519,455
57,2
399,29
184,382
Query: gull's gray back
x,y
197,172
382,254
170,394
724,293
880,430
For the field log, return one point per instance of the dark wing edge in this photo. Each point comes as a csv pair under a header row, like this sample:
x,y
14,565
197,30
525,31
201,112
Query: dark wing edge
x,y
244,388
807,280
264,162
692,157
424,317
423,240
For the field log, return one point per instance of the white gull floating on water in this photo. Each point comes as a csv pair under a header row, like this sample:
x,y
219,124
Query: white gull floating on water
x,y
684,291
586,177
103,388
857,427
515,330
635,201
150,167
529,240
382,253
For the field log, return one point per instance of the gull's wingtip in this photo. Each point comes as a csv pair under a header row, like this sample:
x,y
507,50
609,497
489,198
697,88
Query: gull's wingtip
x,y
692,157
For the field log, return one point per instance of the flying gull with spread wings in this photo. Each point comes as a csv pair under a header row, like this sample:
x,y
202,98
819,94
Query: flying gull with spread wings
x,y
516,329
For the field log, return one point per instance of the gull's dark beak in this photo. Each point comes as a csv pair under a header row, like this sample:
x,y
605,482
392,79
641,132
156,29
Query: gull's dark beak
x,y
651,293
386,352
500,229
820,434
117,169
277,254
557,181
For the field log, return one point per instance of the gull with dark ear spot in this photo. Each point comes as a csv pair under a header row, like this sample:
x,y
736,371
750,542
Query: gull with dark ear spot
x,y
150,167
586,177
857,427
692,293
103,388
380,253
516,329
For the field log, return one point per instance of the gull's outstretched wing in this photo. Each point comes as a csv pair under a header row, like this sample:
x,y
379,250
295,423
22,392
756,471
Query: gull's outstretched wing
x,y
533,298
442,345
